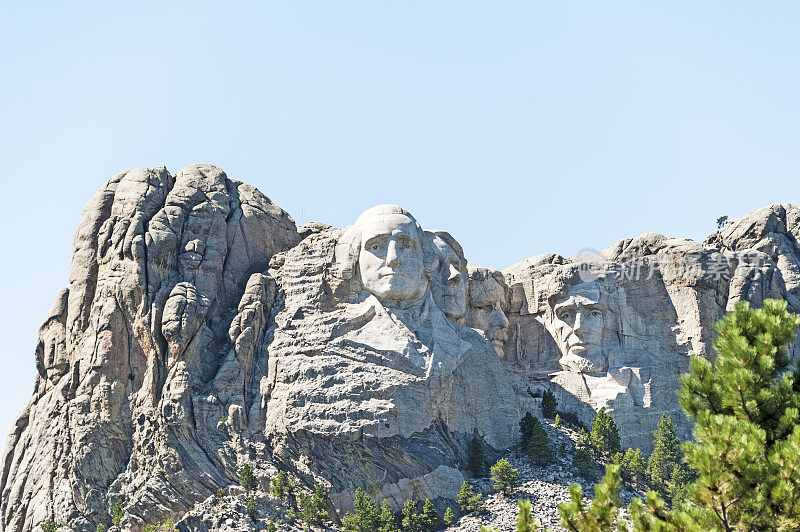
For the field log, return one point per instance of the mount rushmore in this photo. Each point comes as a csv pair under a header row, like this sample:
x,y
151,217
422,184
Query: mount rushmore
x,y
201,330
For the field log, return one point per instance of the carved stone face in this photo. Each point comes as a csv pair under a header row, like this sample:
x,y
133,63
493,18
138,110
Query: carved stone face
x,y
449,286
391,259
579,319
487,304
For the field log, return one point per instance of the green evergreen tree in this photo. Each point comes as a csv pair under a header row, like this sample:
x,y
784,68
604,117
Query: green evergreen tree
x,y
678,488
247,479
117,512
101,528
49,526
469,501
364,517
412,518
271,527
557,421
281,486
584,462
549,404
666,454
538,449
631,464
430,517
526,425
602,515
525,519
251,506
476,457
387,519
505,477
313,510
449,518
746,448
604,435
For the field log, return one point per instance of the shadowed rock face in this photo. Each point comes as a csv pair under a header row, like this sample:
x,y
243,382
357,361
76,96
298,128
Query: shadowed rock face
x,y
201,330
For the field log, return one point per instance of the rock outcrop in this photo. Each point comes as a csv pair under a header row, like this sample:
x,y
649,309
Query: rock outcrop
x,y
201,330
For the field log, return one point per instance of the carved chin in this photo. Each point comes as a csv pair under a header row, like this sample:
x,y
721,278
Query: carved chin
x,y
582,364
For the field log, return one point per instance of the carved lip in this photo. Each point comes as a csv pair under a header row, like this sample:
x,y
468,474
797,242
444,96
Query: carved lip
x,y
581,347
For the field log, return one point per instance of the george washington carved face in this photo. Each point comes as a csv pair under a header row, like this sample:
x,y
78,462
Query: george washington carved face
x,y
388,251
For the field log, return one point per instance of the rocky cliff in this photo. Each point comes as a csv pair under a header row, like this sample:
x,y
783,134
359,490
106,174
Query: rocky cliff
x,y
202,330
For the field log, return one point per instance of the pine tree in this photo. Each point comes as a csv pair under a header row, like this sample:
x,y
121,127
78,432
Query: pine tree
x,y
505,477
388,521
117,512
430,518
604,435
583,461
364,517
281,487
666,454
526,425
538,449
247,479
49,526
602,515
449,518
469,501
631,464
549,404
412,518
525,520
746,448
476,457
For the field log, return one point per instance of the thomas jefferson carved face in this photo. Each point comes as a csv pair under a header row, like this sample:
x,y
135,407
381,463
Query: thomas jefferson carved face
x,y
578,323
487,305
449,284
391,261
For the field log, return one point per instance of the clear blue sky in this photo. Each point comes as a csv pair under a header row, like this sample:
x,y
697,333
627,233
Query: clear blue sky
x,y
520,127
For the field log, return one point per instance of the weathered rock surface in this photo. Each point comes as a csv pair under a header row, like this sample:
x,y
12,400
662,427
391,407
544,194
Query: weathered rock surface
x,y
201,330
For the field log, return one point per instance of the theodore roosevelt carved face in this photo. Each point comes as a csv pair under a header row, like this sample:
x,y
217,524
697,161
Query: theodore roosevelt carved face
x,y
487,306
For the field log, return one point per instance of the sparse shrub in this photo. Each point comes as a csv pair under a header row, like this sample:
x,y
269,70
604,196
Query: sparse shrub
x,y
469,501
505,477
252,508
166,526
247,479
271,527
572,420
117,512
364,517
101,528
49,525
557,421
549,404
538,449
449,518
476,457
220,493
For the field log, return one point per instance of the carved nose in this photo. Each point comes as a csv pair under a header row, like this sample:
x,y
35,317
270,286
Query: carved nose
x,y
498,317
453,275
578,327
392,259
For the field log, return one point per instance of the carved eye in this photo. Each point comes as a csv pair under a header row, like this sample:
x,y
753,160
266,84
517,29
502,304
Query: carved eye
x,y
595,313
565,315
408,245
375,247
